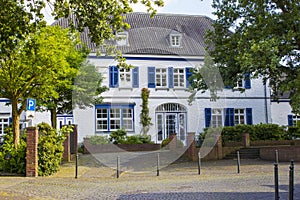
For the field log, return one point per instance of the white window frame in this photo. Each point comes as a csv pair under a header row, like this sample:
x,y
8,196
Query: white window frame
x,y
296,120
239,116
175,40
125,77
128,117
217,117
102,118
115,115
179,78
161,77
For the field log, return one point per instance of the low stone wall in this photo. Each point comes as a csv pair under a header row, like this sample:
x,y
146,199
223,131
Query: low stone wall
x,y
285,153
273,142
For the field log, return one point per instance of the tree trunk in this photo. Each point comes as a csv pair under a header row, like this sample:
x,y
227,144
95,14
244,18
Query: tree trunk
x,y
53,117
15,123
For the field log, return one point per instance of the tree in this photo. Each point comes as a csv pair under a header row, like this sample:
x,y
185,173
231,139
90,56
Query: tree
x,y
261,37
27,65
145,118
205,77
34,70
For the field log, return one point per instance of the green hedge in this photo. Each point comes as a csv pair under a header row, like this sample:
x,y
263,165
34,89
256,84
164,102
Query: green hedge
x,y
256,132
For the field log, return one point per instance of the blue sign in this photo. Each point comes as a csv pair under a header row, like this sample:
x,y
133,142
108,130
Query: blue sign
x,y
31,103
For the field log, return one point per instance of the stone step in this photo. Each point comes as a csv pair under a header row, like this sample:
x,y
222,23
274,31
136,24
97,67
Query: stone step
x,y
245,153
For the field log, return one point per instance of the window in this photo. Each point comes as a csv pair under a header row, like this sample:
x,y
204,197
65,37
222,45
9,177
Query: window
x,y
161,77
179,77
4,122
239,116
293,120
169,77
112,117
217,118
126,77
175,40
122,39
214,116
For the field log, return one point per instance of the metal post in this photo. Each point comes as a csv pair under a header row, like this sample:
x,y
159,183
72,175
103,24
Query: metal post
x,y
238,162
199,163
118,166
76,166
157,172
276,181
291,182
276,157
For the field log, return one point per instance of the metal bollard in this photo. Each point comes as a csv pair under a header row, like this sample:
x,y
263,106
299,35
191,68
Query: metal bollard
x,y
157,171
276,181
238,162
199,163
76,166
291,181
118,166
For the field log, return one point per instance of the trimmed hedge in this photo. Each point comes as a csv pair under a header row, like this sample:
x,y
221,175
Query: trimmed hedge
x,y
256,132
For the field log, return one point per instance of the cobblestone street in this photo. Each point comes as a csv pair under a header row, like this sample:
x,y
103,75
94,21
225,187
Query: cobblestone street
x,y
218,180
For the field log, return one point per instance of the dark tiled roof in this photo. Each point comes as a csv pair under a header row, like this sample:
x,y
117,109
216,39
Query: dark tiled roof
x,y
151,35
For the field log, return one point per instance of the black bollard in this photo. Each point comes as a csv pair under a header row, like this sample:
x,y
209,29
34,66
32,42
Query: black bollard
x,y
76,166
157,171
291,182
199,163
276,181
118,166
238,162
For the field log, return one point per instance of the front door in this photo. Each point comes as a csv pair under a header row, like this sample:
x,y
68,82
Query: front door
x,y
171,123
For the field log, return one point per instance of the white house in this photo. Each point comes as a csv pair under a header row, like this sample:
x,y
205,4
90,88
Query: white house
x,y
162,50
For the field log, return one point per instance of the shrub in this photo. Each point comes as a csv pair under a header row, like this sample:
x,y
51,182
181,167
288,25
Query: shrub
x,y
13,160
294,131
138,139
98,139
50,148
118,136
165,142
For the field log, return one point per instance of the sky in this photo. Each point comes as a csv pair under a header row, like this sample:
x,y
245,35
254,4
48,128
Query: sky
x,y
190,7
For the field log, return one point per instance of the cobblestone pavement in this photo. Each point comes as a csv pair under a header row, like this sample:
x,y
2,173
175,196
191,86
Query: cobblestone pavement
x,y
218,180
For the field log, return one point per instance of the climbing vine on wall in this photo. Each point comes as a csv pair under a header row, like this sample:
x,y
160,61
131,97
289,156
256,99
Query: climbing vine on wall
x,y
145,118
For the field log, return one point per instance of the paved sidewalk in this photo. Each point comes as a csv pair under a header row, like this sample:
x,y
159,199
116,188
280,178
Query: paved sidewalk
x,y
218,180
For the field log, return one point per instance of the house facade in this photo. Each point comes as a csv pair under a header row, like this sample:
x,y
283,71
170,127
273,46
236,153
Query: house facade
x,y
162,50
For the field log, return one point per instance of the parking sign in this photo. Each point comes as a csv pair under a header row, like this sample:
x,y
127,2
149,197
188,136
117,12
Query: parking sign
x,y
31,103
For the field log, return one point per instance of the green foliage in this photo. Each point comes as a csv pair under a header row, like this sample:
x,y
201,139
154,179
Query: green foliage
x,y
256,132
98,139
50,149
266,45
138,139
145,118
13,160
165,142
118,136
294,131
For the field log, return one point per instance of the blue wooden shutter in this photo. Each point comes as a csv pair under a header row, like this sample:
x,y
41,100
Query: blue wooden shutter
x,y
113,76
207,117
188,74
249,119
290,120
10,120
151,77
135,77
171,77
247,82
229,117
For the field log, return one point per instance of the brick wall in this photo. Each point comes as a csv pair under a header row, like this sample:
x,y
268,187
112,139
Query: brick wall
x,y
32,153
285,153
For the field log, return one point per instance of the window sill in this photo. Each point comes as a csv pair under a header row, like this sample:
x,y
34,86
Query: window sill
x,y
125,88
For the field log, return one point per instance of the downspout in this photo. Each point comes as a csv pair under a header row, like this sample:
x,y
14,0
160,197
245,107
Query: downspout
x,y
266,104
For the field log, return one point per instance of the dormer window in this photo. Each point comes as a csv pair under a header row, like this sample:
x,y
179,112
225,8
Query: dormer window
x,y
122,39
175,40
